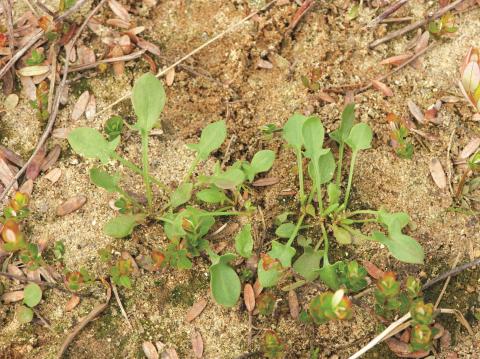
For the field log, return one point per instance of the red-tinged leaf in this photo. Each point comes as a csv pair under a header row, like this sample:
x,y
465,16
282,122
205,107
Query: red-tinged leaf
x,y
196,309
27,187
431,115
372,270
86,55
263,182
51,158
438,174
71,205
149,350
293,304
197,344
249,297
151,63
380,86
119,10
257,288
416,112
11,156
118,66
72,303
33,168
405,337
146,45
396,60
470,148
119,23
80,105
402,350
446,340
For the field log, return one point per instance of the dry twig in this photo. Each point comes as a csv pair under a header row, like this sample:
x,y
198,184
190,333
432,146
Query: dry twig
x,y
132,56
415,25
451,273
94,313
388,11
119,302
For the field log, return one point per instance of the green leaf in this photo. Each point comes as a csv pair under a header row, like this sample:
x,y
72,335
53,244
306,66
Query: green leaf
x,y
211,195
329,276
360,137
148,99
224,282
244,241
267,277
211,139
32,295
229,179
90,143
308,264
326,168
283,252
285,230
121,226
342,236
292,131
124,281
113,127
394,222
402,247
104,180
340,135
181,195
262,161
24,314
313,134
333,193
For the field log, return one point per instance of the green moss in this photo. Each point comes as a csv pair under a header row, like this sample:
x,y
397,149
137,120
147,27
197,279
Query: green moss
x,y
184,294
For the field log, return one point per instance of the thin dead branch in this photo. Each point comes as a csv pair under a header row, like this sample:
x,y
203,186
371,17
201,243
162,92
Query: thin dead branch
x,y
444,288
56,103
415,25
388,11
119,302
132,56
92,315
451,273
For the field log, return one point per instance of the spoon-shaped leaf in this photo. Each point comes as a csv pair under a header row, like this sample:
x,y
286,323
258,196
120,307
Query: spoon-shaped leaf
x,y
401,246
244,241
283,252
104,179
360,137
211,139
313,133
326,167
340,135
292,131
224,281
90,143
308,264
262,161
121,226
268,277
148,99
328,275
181,195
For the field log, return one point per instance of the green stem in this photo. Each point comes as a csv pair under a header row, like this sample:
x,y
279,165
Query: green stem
x,y
300,176
340,161
319,188
369,220
362,211
130,198
146,177
138,170
218,214
295,231
191,169
350,178
325,250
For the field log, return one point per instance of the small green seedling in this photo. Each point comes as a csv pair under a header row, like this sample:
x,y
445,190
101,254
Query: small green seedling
x,y
330,306
330,216
272,346
32,295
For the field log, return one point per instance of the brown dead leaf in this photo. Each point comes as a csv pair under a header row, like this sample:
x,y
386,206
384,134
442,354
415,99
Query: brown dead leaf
x,y
6,174
438,174
126,44
405,337
33,168
396,60
136,30
372,270
72,303
91,108
422,42
170,76
11,102
476,117
380,86
325,97
11,156
262,182
146,45
86,55
470,148
27,187
118,23
150,3
440,331
196,309
34,70
12,297
61,133
71,205
149,350
170,353
119,10
51,158
257,288
445,340
249,297
264,64
80,105
416,112
13,269
293,304
197,344
118,66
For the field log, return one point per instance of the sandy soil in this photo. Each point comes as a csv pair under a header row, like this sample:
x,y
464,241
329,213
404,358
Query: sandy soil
x,y
325,45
